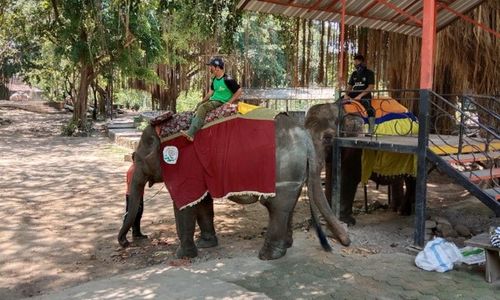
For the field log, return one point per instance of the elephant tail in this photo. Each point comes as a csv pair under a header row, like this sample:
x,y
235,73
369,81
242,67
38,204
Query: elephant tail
x,y
319,230
318,199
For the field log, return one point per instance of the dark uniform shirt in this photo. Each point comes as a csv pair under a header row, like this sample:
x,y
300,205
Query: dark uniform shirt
x,y
360,81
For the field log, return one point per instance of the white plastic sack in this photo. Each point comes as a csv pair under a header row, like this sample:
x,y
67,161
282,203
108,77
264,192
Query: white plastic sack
x,y
438,255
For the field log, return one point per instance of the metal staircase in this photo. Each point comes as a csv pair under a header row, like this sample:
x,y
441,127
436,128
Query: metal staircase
x,y
471,156
459,134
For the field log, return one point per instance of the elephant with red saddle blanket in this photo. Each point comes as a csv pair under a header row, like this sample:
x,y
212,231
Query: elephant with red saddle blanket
x,y
296,164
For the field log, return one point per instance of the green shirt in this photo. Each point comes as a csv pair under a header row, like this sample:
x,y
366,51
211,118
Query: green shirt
x,y
224,88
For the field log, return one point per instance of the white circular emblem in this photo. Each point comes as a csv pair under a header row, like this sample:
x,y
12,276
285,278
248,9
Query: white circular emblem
x,y
170,155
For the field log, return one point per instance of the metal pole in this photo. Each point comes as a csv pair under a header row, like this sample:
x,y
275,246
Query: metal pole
x,y
421,185
336,163
461,127
426,82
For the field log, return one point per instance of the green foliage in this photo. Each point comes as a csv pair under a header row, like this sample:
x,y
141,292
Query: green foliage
x,y
260,40
72,129
188,100
69,129
142,125
133,99
54,75
19,45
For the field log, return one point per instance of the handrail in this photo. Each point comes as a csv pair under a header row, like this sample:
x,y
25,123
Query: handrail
x,y
496,135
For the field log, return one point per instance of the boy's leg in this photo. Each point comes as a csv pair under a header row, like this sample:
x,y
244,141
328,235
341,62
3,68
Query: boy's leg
x,y
199,118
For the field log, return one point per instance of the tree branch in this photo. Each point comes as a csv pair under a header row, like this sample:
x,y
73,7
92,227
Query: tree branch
x,y
56,12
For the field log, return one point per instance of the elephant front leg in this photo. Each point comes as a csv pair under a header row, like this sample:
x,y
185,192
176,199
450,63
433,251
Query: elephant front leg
x,y
351,177
185,221
205,219
409,197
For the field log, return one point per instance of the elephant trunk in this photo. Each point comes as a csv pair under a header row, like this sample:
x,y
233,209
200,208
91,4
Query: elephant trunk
x,y
315,193
136,192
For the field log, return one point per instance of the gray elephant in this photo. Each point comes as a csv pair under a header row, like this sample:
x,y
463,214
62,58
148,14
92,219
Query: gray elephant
x,y
321,121
296,163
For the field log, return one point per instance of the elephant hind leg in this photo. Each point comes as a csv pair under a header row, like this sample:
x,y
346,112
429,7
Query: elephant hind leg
x,y
289,233
279,230
276,241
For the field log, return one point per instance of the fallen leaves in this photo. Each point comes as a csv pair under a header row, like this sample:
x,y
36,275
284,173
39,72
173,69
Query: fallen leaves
x,y
359,251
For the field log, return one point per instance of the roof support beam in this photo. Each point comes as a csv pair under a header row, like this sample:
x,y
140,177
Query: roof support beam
x,y
368,8
428,45
406,8
401,11
470,20
315,5
331,9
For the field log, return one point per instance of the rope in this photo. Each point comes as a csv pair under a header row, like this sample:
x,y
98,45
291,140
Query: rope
x,y
157,192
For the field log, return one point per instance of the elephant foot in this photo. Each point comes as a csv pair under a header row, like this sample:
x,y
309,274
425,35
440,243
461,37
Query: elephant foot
x,y
207,242
289,242
139,236
269,252
349,220
183,252
123,242
405,212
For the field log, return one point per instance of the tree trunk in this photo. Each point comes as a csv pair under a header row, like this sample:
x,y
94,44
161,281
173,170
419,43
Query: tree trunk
x,y
166,96
80,109
295,62
328,58
303,63
308,55
321,64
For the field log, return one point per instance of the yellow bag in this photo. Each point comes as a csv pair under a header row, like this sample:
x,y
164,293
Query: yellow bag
x,y
244,108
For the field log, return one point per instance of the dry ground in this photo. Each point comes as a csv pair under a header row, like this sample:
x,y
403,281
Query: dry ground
x,y
62,201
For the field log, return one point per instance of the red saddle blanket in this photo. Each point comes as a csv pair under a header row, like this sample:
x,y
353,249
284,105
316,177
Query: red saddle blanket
x,y
233,156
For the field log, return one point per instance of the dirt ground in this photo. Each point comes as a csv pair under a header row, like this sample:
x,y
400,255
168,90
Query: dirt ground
x,y
62,202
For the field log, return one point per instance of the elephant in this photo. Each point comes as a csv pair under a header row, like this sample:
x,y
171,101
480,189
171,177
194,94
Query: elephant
x,y
321,121
296,164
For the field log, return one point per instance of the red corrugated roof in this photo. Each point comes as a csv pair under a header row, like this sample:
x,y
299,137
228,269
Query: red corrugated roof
x,y
402,16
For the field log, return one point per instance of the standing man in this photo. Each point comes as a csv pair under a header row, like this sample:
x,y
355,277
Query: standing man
x,y
361,84
223,90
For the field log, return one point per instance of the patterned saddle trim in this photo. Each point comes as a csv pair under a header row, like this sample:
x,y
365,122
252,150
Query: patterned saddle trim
x,y
169,123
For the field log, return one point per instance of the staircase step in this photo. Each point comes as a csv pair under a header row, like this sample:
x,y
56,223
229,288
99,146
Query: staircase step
x,y
479,175
495,193
472,157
